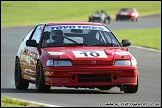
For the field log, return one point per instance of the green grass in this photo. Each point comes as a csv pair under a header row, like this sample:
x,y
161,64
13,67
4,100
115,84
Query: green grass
x,y
21,13
9,102
150,38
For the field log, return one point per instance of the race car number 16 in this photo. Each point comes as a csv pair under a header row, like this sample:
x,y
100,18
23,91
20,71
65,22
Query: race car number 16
x,y
82,54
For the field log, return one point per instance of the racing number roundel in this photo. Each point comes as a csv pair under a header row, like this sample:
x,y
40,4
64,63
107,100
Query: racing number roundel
x,y
96,54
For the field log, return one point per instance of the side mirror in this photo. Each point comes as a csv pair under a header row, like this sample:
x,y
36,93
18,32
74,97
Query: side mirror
x,y
126,42
31,43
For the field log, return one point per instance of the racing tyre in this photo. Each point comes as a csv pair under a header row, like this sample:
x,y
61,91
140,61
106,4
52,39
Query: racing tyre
x,y
40,83
133,19
20,83
90,19
118,19
136,19
130,88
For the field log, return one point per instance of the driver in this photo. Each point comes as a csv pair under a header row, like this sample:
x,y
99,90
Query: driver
x,y
57,36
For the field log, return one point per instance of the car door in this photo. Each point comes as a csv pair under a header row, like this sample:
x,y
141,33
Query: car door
x,y
32,54
23,52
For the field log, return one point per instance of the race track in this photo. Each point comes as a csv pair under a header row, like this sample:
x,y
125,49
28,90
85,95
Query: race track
x,y
149,65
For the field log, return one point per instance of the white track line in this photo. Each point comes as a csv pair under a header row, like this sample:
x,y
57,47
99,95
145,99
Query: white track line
x,y
48,105
146,48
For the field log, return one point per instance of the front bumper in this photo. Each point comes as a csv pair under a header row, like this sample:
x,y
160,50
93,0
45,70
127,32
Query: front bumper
x,y
125,17
90,76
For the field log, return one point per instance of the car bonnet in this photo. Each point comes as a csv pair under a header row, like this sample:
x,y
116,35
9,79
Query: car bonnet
x,y
89,55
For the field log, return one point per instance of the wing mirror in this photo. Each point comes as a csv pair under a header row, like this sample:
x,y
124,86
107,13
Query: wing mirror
x,y
126,42
31,43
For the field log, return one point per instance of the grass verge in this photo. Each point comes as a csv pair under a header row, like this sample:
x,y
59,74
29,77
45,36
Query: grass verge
x,y
9,102
150,38
20,13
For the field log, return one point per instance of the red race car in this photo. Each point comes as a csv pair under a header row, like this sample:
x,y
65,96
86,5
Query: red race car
x,y
127,14
75,54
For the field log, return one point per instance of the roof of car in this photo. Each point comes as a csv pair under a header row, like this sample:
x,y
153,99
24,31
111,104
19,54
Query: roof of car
x,y
127,8
72,23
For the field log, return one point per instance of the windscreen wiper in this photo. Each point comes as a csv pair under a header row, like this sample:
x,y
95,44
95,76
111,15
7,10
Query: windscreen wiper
x,y
104,44
69,39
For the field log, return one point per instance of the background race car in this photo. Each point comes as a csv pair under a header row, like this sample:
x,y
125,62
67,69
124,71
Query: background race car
x,y
100,16
127,14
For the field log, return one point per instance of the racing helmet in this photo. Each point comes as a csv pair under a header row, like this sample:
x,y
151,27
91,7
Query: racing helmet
x,y
57,35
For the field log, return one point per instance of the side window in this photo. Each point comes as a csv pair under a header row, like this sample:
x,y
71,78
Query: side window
x,y
37,34
111,38
28,35
97,36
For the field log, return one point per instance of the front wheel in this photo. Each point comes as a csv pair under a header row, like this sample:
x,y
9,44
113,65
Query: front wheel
x,y
136,19
130,88
90,19
20,83
108,21
40,83
116,19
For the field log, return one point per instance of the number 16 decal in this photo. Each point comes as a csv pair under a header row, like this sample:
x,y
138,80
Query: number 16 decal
x,y
96,54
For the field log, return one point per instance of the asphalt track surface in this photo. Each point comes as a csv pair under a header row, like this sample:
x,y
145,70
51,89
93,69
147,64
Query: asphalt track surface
x,y
149,65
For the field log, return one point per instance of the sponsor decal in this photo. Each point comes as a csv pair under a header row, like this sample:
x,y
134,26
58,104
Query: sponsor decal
x,y
30,70
55,53
93,62
60,27
122,53
92,54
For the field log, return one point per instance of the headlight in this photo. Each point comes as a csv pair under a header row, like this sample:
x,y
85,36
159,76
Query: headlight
x,y
133,14
49,63
58,63
122,63
125,63
134,62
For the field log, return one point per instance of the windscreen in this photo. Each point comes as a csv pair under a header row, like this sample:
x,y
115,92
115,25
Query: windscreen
x,y
78,35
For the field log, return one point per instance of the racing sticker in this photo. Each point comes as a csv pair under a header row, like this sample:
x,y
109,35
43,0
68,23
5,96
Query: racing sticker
x,y
60,27
92,54
122,53
55,53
